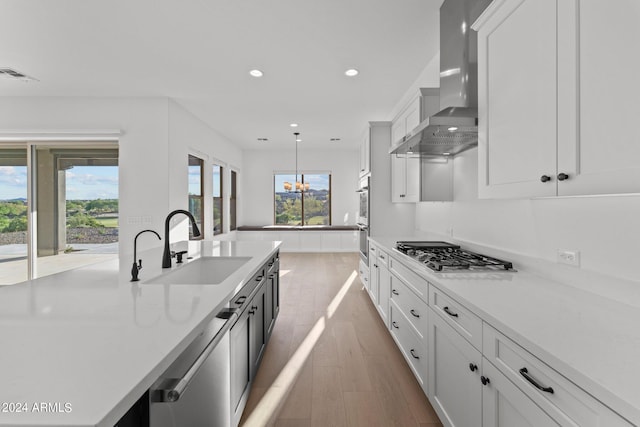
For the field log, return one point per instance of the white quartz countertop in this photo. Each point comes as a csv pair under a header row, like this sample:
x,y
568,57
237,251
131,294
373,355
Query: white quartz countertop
x,y
591,340
80,347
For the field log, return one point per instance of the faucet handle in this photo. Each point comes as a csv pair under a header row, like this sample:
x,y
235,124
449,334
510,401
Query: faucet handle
x,y
179,256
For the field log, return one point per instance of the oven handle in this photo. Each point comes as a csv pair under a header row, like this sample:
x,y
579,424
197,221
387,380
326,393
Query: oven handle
x,y
171,389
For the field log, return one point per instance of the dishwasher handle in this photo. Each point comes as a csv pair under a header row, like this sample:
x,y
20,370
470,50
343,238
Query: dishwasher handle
x,y
170,389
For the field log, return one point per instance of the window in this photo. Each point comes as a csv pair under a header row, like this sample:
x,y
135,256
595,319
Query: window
x,y
75,194
195,195
312,206
217,199
232,201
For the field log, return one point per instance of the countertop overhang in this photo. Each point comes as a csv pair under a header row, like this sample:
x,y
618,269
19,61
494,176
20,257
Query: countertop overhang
x,y
82,346
298,228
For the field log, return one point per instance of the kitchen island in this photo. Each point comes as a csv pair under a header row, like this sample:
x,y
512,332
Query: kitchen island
x,y
81,347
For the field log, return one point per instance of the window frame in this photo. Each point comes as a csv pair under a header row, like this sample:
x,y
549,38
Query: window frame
x,y
233,200
302,217
220,198
196,197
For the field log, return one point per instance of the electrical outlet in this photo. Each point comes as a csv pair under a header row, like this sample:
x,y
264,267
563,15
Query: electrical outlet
x,y
569,257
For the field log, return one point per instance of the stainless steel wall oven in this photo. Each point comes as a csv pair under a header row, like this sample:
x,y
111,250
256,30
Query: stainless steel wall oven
x,y
363,218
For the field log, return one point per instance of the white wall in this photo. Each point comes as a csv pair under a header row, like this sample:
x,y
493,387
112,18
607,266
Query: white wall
x,y
156,136
189,135
605,229
260,165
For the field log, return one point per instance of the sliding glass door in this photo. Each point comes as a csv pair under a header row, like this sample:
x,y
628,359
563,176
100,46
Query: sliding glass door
x,y
13,215
62,204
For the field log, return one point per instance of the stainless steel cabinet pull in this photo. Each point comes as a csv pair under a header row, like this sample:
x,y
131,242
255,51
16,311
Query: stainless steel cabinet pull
x,y
449,312
414,314
413,354
525,373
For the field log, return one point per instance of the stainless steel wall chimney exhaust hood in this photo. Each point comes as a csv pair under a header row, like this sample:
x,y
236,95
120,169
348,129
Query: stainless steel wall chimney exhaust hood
x,y
455,128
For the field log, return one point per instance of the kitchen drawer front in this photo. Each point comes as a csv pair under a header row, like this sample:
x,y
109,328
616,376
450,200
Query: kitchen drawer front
x,y
364,274
568,404
411,306
383,258
462,320
419,285
412,346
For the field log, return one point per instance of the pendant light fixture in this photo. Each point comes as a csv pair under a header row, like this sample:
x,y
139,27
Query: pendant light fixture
x,y
299,185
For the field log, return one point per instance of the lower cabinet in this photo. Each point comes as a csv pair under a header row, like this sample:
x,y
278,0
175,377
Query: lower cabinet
x,y
455,383
240,366
272,303
504,404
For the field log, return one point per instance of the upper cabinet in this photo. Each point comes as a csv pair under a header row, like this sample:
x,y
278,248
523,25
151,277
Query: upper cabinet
x,y
365,155
557,98
405,169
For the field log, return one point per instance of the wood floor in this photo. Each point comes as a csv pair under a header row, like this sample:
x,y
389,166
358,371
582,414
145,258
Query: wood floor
x,y
330,361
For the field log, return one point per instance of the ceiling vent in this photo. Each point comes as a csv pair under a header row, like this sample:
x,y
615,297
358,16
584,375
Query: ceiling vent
x,y
10,73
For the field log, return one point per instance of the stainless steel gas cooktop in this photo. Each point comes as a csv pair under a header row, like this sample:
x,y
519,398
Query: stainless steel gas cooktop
x,y
446,257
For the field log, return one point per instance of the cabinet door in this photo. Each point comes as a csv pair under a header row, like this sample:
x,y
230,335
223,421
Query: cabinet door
x,y
384,292
398,179
504,404
412,116
412,179
257,329
600,92
374,275
455,390
240,365
365,154
517,99
269,316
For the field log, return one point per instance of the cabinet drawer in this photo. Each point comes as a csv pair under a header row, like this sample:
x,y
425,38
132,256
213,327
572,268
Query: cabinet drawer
x,y
383,258
462,320
567,403
412,346
364,274
410,278
411,306
273,264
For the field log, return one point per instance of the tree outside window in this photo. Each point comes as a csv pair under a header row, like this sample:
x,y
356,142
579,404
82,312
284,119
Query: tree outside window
x,y
195,194
309,207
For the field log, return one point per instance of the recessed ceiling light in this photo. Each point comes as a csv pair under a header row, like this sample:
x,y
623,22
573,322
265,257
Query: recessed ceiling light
x,y
446,154
351,72
452,129
294,125
256,73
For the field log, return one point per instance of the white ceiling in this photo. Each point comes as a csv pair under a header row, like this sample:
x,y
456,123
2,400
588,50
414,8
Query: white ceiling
x,y
199,52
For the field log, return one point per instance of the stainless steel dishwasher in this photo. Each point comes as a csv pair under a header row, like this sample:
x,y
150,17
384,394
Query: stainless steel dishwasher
x,y
195,390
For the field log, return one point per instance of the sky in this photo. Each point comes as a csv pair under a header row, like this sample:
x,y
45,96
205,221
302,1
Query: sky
x,y
83,182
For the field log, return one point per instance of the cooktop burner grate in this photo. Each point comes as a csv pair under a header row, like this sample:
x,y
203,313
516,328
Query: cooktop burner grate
x,y
443,256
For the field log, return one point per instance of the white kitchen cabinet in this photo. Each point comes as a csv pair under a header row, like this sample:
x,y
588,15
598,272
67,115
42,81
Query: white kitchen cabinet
x,y
412,345
365,154
363,270
384,286
557,98
374,274
504,404
405,169
455,387
564,402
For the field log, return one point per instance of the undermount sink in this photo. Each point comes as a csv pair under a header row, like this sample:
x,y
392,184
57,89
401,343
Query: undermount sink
x,y
202,271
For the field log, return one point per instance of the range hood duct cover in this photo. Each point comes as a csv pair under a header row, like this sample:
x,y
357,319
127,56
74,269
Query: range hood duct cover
x,y
454,129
